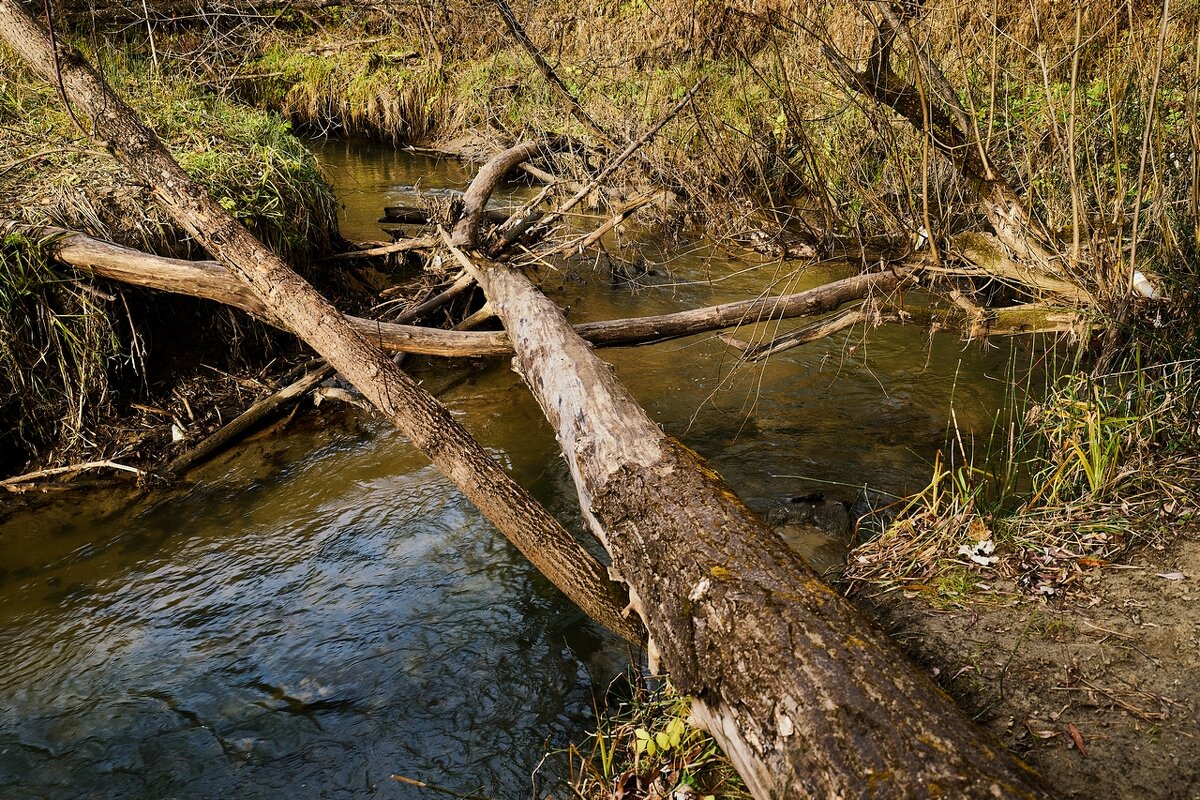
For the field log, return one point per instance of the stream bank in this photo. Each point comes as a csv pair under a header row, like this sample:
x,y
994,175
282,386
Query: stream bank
x,y
92,370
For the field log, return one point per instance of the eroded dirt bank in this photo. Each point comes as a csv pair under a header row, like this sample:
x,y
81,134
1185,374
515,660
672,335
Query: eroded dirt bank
x,y
1098,692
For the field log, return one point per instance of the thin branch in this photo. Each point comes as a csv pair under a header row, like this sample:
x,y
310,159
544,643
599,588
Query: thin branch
x,y
19,483
577,111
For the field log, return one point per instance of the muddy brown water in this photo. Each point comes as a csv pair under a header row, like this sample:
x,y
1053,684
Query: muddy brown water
x,y
320,609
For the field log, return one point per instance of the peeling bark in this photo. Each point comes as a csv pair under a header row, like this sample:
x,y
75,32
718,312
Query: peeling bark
x,y
807,697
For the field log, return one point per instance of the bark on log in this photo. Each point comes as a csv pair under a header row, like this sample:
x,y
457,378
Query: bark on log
x,y
274,404
210,281
301,309
806,697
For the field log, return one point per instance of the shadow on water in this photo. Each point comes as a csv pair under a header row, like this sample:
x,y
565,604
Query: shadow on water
x,y
322,609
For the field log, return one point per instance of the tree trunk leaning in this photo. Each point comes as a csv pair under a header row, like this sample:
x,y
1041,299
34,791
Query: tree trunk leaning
x,y
301,309
807,697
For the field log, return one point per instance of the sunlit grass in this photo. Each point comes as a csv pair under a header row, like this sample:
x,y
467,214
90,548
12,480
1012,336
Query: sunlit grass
x,y
647,748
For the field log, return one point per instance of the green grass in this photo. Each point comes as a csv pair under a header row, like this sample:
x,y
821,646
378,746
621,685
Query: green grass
x,y
646,745
1103,461
248,159
68,345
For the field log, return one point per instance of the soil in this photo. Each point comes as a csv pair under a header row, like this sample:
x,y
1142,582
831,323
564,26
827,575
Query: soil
x,y
1099,693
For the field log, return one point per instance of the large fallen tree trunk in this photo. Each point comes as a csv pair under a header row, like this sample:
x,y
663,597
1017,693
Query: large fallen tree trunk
x,y
806,696
211,281
296,305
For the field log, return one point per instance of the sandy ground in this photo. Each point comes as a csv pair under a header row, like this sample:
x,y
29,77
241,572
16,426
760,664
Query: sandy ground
x,y
1099,692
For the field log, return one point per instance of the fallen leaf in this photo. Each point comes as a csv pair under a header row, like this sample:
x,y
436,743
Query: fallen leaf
x,y
1171,576
1077,738
1042,729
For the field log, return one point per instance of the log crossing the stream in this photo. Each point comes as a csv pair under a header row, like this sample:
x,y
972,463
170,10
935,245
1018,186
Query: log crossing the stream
x,y
808,698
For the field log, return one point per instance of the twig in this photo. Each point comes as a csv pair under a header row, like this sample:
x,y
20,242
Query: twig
x,y
587,240
434,788
14,484
819,329
398,247
518,32
624,156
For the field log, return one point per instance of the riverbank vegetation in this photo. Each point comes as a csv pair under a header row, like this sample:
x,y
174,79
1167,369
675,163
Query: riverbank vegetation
x,y
1040,157
1086,117
73,353
644,746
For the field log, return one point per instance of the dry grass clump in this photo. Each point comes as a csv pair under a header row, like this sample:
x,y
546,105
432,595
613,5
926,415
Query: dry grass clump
x,y
1100,457
378,91
58,336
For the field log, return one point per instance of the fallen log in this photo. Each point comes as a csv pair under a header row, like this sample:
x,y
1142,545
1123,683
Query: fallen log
x,y
208,280
285,296
248,420
807,697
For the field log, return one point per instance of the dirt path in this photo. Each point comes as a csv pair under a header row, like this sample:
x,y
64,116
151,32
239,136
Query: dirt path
x,y
1101,693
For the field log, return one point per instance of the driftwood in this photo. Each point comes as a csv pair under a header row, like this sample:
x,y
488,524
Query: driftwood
x,y
285,296
273,404
807,698
210,281
28,481
247,421
388,249
1018,320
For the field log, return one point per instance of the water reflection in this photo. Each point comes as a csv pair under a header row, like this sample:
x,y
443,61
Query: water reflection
x,y
312,633
323,609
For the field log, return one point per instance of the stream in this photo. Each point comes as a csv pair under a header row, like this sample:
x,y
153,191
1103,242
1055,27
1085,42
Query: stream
x,y
319,609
